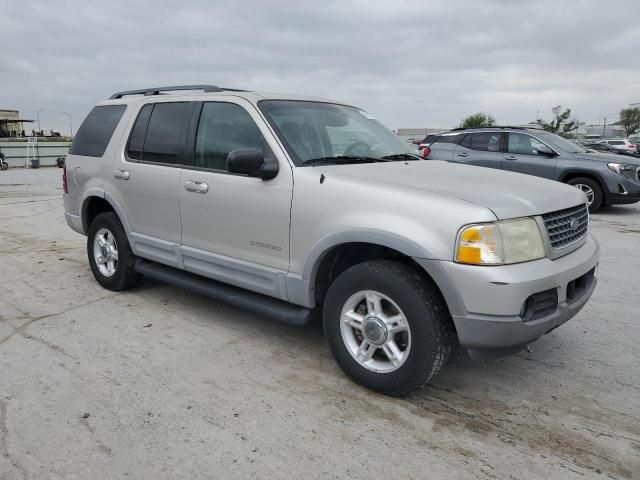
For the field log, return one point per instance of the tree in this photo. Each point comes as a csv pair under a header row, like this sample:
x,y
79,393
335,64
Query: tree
x,y
630,120
560,123
478,120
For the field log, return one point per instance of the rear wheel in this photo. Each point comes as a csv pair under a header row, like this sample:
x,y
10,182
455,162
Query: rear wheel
x,y
110,256
591,189
387,326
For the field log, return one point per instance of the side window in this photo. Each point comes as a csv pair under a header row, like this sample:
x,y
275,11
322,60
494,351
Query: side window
x,y
96,130
224,127
136,142
165,139
522,144
449,138
486,141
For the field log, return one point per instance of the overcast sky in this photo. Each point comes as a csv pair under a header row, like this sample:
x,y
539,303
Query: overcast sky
x,y
411,63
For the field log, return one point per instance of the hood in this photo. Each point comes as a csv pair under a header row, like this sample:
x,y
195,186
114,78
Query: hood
x,y
608,158
507,194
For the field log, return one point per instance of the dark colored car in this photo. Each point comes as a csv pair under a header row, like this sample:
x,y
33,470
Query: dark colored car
x,y
606,179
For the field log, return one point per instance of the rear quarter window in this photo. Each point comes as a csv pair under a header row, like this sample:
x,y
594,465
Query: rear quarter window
x,y
95,132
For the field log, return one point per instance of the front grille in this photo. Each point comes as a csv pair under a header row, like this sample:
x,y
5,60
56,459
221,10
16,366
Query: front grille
x,y
567,226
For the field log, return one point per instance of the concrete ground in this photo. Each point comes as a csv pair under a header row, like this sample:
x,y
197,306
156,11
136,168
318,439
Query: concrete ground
x,y
156,383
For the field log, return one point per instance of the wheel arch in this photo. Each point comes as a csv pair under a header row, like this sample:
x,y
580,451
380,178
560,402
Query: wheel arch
x,y
334,254
95,204
575,173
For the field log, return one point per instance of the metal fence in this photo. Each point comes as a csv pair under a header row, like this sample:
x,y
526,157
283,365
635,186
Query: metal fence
x,y
18,154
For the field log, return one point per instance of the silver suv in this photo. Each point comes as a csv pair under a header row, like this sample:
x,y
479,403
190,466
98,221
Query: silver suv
x,y
294,206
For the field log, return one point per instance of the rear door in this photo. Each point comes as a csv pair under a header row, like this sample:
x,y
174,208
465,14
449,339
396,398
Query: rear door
x,y
522,156
235,228
444,145
482,149
146,179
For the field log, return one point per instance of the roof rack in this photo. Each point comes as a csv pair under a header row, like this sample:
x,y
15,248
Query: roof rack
x,y
158,90
458,129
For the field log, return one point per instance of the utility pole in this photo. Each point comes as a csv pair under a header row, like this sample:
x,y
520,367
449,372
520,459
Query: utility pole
x,y
38,116
604,128
70,125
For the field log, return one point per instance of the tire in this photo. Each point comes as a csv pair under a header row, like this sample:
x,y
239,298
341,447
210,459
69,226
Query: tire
x,y
426,346
108,226
5,166
586,184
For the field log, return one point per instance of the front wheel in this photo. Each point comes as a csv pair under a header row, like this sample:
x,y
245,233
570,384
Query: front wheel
x,y
387,326
591,189
5,166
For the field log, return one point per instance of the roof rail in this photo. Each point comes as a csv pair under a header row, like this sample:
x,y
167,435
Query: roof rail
x,y
158,90
458,129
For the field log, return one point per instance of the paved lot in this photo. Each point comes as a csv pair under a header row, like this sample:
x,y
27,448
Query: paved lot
x,y
156,383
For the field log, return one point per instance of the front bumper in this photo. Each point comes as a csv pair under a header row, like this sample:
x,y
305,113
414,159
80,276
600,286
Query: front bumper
x,y
486,302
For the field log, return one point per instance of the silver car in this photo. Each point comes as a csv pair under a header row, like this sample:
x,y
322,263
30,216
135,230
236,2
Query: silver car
x,y
296,207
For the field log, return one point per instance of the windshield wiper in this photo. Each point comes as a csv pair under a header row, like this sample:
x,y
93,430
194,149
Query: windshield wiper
x,y
341,159
402,156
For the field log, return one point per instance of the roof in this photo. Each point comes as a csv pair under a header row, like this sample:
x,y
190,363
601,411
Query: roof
x,y
15,120
199,91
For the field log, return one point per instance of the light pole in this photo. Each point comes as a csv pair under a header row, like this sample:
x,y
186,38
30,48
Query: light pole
x,y
38,116
70,125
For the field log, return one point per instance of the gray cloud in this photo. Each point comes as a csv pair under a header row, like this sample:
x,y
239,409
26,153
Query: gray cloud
x,y
412,63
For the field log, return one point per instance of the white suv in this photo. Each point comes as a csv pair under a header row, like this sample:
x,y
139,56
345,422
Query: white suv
x,y
294,207
622,144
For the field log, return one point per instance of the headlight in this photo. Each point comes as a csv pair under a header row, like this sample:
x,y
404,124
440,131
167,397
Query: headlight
x,y
627,171
503,242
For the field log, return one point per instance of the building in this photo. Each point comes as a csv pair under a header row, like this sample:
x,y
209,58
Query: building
x,y
417,133
11,125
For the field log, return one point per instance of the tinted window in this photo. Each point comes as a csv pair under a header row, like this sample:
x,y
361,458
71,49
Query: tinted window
x,y
96,130
165,139
449,138
616,143
136,142
486,141
224,127
523,144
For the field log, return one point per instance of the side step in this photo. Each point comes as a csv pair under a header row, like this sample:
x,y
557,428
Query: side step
x,y
239,297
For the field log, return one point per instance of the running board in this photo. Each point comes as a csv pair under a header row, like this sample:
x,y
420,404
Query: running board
x,y
238,297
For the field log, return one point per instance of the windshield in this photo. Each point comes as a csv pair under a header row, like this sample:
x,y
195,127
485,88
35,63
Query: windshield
x,y
316,131
559,142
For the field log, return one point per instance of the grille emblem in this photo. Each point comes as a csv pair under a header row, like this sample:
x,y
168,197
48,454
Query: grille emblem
x,y
575,224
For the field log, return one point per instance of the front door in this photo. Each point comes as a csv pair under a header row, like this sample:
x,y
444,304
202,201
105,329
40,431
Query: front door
x,y
522,156
235,228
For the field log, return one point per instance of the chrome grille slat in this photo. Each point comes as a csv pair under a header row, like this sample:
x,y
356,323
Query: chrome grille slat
x,y
558,225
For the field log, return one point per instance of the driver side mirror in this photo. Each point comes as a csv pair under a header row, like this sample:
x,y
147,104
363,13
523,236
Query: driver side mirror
x,y
546,151
251,162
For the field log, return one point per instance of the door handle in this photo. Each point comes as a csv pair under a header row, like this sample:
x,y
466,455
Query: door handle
x,y
121,174
511,157
463,154
195,186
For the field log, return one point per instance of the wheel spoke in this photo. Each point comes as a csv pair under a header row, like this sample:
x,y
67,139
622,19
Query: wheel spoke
x,y
353,319
114,254
365,351
111,265
374,304
396,323
392,352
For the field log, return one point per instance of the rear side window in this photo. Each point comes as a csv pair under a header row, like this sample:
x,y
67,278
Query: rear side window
x,y
486,142
449,138
136,142
94,134
166,133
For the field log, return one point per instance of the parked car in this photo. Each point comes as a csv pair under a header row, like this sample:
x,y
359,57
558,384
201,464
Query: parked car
x,y
606,179
622,144
603,147
293,207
